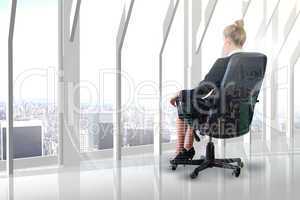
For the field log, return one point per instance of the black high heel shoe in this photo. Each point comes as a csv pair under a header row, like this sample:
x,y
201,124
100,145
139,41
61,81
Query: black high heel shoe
x,y
184,155
189,154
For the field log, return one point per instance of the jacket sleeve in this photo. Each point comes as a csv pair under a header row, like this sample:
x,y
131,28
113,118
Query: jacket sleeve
x,y
215,75
211,81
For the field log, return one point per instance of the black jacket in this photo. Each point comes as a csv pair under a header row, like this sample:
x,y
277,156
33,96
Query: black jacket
x,y
189,106
211,81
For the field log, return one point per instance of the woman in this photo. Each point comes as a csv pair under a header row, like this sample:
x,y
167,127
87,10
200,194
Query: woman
x,y
234,39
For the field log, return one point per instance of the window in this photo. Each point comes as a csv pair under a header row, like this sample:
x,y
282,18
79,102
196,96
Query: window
x,y
97,79
213,41
286,14
35,82
4,16
173,74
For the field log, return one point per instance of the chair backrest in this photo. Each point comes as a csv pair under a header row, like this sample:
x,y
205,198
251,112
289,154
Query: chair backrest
x,y
239,90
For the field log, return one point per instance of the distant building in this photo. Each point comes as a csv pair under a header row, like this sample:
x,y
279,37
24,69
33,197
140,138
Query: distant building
x,y
93,120
105,137
99,131
27,139
98,134
136,137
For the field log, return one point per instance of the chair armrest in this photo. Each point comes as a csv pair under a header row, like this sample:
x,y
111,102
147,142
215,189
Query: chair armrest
x,y
245,101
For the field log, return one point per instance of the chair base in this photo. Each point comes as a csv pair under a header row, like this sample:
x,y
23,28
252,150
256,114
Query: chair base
x,y
209,161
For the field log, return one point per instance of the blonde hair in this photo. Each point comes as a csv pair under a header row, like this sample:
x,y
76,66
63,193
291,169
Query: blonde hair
x,y
236,33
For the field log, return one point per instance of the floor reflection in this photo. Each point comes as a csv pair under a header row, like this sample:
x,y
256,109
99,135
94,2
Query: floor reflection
x,y
263,177
69,183
11,187
157,179
117,173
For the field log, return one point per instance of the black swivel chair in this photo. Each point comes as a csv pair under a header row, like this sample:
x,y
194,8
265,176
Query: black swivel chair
x,y
238,95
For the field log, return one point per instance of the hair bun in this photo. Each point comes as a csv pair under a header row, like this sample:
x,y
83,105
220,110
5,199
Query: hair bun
x,y
239,23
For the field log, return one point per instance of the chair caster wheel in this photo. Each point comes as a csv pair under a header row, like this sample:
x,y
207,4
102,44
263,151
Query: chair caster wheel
x,y
173,167
236,172
241,165
194,175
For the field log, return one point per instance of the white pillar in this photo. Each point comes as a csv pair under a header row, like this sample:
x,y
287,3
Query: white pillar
x,y
157,181
291,102
187,31
290,116
292,21
11,188
117,181
69,77
117,149
272,92
194,67
209,11
10,100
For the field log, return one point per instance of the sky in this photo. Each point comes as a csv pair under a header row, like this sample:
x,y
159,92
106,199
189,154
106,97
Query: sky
x,y
35,45
3,4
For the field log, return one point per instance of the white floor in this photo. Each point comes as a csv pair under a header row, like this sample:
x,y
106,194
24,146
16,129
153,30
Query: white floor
x,y
264,177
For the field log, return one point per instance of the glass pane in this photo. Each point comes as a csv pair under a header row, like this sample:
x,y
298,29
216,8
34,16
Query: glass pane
x,y
280,136
213,41
35,86
260,39
173,74
4,22
286,14
288,57
270,6
256,13
97,79
295,37
140,66
266,45
205,12
257,137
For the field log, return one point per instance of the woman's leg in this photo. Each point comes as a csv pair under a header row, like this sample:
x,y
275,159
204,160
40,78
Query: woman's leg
x,y
190,131
189,138
181,129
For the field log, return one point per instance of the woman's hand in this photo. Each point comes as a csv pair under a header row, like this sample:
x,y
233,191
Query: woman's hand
x,y
173,99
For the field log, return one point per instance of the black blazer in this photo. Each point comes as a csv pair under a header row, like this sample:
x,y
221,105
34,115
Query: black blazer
x,y
216,73
190,104
211,81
